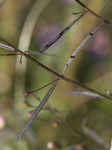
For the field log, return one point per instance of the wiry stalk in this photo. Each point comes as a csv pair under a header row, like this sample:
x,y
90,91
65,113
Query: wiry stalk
x,y
36,90
86,39
36,112
50,43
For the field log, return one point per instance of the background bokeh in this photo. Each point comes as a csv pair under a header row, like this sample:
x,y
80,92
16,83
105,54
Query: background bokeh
x,y
80,123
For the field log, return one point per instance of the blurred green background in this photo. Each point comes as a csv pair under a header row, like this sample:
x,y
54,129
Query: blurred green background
x,y
30,24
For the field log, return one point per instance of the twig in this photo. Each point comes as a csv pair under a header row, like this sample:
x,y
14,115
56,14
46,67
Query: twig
x,y
93,13
36,90
36,112
86,39
50,43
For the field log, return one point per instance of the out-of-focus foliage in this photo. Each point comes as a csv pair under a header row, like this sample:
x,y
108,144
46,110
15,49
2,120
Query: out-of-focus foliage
x,y
92,66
